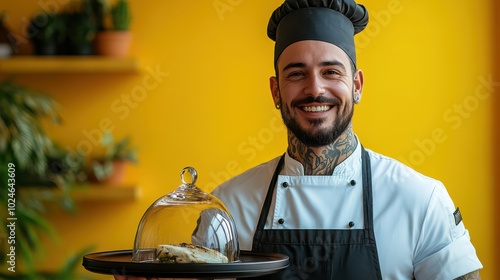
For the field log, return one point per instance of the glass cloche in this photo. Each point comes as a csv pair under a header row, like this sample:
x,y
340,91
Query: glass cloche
x,y
186,226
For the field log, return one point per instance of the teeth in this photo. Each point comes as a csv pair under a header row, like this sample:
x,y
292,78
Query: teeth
x,y
316,108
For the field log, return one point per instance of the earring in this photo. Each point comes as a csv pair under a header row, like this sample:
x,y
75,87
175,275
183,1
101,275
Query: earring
x,y
356,99
278,106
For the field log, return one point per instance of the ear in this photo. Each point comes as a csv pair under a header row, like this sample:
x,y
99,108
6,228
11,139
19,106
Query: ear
x,y
275,91
358,85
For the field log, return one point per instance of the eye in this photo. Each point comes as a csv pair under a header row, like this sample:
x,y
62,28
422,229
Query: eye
x,y
333,72
295,75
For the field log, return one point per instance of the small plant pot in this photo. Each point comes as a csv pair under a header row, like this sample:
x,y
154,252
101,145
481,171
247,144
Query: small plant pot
x,y
113,177
113,43
116,177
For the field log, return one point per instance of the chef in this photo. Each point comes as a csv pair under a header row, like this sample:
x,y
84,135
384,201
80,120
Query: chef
x,y
338,210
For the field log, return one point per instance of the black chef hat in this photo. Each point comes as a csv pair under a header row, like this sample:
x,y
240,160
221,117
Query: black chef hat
x,y
332,21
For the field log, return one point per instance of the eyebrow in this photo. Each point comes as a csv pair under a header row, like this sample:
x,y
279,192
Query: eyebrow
x,y
294,65
324,63
334,63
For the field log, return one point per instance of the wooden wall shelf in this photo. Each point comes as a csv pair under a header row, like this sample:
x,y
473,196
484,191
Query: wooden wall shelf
x,y
67,64
87,193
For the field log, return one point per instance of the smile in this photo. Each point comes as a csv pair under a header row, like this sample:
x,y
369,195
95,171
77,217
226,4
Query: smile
x,y
322,108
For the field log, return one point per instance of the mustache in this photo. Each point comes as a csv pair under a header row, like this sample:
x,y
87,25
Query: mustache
x,y
317,99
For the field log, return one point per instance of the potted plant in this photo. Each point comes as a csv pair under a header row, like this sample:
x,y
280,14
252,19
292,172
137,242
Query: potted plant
x,y
24,146
109,169
27,150
47,33
115,39
81,28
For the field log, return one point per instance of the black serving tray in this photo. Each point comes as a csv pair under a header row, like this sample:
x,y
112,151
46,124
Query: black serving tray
x,y
250,265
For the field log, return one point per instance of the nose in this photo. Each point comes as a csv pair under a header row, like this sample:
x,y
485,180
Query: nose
x,y
315,85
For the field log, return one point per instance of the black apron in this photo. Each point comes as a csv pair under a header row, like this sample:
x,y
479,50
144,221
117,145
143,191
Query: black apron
x,y
322,254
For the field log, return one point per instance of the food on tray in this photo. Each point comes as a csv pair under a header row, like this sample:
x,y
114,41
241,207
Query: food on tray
x,y
188,253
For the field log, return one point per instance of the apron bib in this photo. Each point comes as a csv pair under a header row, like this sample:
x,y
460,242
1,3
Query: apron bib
x,y
323,254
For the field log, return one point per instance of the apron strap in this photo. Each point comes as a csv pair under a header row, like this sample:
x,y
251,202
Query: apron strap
x,y
367,189
269,197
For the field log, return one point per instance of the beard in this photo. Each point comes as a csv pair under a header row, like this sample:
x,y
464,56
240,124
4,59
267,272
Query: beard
x,y
318,136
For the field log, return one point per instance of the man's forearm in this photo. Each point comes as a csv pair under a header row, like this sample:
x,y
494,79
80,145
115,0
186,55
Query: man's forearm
x,y
470,276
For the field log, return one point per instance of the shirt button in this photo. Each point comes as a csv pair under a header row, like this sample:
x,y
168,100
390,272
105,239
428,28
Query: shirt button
x,y
285,185
281,221
352,182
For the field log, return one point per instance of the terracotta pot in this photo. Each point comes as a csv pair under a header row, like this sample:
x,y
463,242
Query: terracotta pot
x,y
112,43
117,176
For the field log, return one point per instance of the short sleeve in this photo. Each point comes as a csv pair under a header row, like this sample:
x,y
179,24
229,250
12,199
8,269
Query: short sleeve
x,y
444,249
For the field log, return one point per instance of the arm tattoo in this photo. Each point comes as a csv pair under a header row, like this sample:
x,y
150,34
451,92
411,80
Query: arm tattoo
x,y
470,276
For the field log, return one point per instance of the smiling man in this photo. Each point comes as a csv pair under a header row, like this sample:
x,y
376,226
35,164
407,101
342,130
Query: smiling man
x,y
339,211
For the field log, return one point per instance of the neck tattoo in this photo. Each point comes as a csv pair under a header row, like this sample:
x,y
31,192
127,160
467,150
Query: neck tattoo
x,y
322,160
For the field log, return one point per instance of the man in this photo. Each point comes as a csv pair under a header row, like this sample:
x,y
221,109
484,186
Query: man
x,y
337,210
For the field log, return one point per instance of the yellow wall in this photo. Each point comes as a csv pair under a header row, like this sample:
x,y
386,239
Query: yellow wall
x,y
496,123
427,102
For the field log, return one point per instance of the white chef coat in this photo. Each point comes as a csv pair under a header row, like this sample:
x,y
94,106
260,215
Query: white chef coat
x,y
413,215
